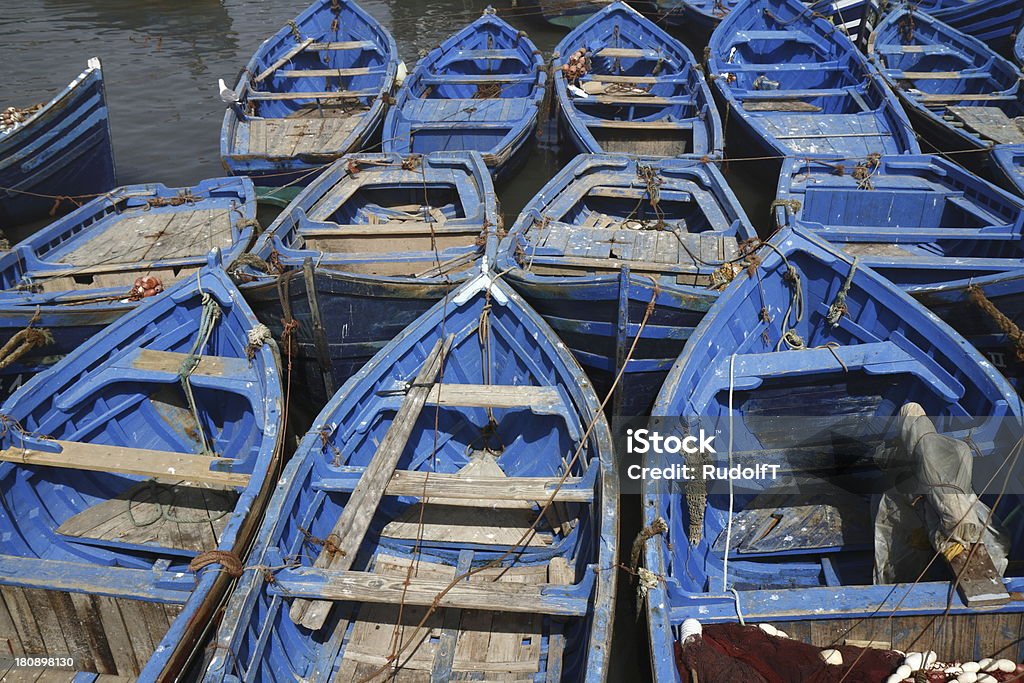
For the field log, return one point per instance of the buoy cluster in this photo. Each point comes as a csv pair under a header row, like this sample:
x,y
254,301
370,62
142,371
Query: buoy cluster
x,y
145,286
982,671
12,116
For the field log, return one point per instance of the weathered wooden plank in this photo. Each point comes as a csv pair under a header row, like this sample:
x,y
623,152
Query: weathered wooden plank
x,y
314,95
962,97
559,572
355,520
625,52
331,584
284,59
342,45
325,73
979,584
140,640
20,609
473,488
161,465
116,633
88,615
493,395
73,629
170,361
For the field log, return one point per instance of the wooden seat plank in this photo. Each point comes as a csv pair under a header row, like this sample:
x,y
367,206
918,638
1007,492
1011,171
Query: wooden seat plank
x,y
962,97
161,465
626,53
327,73
354,521
170,361
493,396
337,95
329,584
342,45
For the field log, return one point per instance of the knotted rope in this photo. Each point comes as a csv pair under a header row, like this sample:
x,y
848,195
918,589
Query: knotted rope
x,y
257,336
230,562
1005,325
22,342
838,308
658,526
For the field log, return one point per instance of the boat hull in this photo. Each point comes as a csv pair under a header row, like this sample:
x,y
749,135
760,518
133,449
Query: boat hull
x,y
62,152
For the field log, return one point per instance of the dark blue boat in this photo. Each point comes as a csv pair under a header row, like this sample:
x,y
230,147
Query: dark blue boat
x,y
810,363
315,90
794,85
961,95
608,235
136,473
507,571
704,15
480,90
66,282
363,251
1018,48
633,89
930,227
571,13
1008,162
58,149
992,21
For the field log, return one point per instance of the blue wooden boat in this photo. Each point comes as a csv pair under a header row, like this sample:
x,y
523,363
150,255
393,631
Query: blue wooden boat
x,y
927,225
1008,162
365,250
480,90
609,234
68,281
1018,48
794,85
867,351
510,429
58,149
315,90
570,14
961,95
702,16
635,89
136,472
994,22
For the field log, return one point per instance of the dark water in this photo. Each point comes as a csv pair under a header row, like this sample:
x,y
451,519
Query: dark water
x,y
162,59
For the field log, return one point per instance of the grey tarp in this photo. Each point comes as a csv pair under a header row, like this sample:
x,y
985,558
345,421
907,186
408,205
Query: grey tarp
x,y
933,505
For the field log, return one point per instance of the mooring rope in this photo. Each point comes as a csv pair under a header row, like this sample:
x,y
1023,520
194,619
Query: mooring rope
x,y
210,315
1015,335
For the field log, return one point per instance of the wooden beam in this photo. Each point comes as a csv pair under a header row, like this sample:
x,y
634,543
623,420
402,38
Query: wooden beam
x,y
639,125
628,53
614,264
492,395
352,525
170,361
344,45
471,491
329,584
609,78
963,97
388,229
980,585
167,466
328,73
285,58
626,99
340,94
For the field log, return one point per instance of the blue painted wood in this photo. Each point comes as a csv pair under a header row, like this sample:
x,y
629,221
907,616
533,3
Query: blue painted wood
x,y
992,21
371,51
88,398
1008,164
704,15
912,42
681,116
39,288
895,351
459,99
61,150
367,295
584,306
1018,48
770,57
257,638
929,226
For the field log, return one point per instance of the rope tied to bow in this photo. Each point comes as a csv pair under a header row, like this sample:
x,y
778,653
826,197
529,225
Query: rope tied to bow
x,y
257,336
185,197
22,342
1013,333
863,171
655,528
838,308
229,561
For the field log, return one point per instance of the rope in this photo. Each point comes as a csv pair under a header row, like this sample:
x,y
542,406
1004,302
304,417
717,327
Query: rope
x,y
257,336
186,197
12,117
838,308
211,313
657,527
230,562
1016,337
22,342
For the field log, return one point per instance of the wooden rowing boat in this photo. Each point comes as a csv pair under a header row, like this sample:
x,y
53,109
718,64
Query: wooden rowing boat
x,y
471,447
136,472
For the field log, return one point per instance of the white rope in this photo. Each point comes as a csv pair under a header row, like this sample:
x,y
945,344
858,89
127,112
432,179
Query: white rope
x,y
728,523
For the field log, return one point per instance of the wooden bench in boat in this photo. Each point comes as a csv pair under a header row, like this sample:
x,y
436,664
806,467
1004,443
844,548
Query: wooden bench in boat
x,y
334,585
990,122
455,79
94,579
342,45
160,465
284,59
340,94
963,97
936,75
153,360
328,73
628,53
